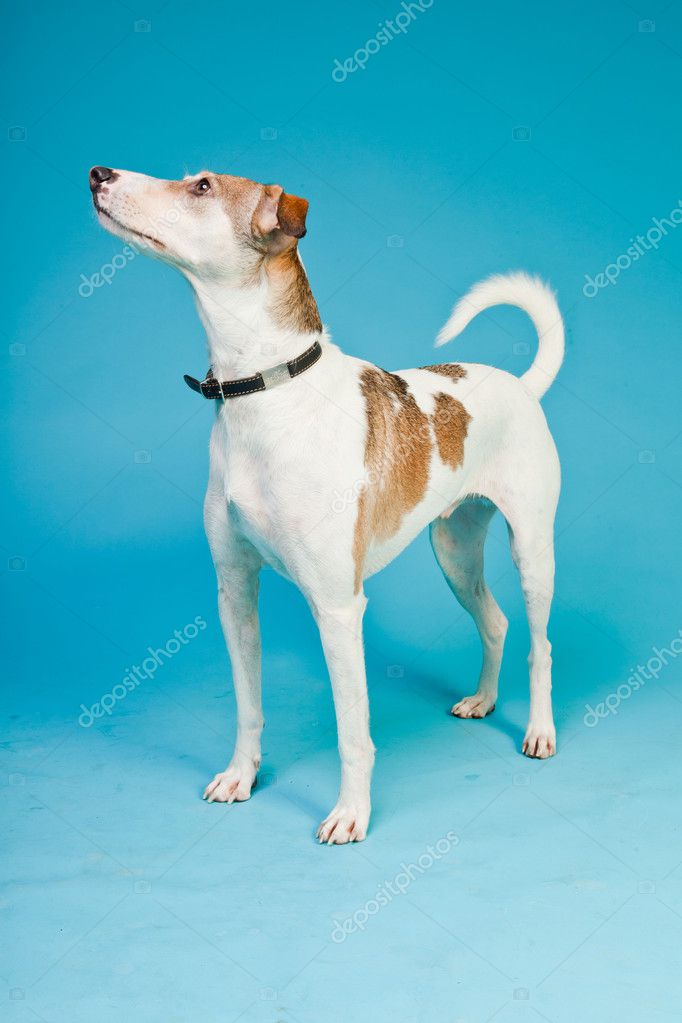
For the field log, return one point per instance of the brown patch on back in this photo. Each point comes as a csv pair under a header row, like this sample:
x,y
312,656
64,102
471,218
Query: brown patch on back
x,y
397,456
450,424
293,306
448,369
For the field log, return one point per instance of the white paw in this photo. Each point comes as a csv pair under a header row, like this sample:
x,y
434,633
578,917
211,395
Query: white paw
x,y
344,825
231,786
476,706
539,743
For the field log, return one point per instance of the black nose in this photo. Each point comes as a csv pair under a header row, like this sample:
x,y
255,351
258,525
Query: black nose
x,y
98,175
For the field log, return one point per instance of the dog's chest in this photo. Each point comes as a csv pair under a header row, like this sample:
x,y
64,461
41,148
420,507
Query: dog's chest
x,y
277,477
260,498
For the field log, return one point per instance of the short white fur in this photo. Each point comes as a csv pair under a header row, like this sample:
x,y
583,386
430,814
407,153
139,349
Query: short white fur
x,y
277,459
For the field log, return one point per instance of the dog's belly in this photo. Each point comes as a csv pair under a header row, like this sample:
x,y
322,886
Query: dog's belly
x,y
304,506
308,515
449,490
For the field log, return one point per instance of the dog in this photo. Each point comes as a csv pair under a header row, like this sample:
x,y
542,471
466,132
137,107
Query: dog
x,y
325,466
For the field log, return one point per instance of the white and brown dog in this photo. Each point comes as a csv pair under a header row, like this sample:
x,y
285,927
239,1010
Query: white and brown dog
x,y
300,423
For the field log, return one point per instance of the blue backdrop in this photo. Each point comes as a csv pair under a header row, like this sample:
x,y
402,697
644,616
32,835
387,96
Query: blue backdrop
x,y
437,143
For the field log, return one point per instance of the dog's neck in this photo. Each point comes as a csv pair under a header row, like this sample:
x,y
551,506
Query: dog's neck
x,y
259,319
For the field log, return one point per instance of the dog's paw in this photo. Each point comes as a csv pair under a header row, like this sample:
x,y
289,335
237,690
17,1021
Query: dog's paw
x,y
231,786
476,706
539,743
344,825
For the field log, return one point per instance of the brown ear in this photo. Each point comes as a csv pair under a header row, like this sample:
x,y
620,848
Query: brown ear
x,y
291,214
277,211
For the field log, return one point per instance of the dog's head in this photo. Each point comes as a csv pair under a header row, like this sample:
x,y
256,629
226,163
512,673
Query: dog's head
x,y
207,225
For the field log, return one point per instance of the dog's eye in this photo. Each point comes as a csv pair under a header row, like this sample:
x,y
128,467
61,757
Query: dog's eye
x,y
202,187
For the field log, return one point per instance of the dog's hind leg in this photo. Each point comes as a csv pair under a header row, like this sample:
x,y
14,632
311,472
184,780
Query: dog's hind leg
x,y
533,553
528,495
458,543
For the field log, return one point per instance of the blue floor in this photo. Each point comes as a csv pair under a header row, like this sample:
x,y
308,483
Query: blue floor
x,y
508,888
490,887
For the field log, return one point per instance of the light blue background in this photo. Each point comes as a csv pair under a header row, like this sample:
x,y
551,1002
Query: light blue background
x,y
125,896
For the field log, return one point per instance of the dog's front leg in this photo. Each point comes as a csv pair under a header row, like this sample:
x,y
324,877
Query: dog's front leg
x,y
341,634
238,608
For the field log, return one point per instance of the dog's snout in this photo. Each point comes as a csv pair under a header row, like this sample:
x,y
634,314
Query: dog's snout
x,y
98,175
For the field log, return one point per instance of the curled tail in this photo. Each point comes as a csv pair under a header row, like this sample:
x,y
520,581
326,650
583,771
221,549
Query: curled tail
x,y
535,298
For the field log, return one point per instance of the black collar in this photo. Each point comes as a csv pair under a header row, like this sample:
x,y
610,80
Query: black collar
x,y
212,388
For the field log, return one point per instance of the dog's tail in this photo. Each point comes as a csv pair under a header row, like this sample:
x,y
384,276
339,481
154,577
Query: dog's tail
x,y
535,298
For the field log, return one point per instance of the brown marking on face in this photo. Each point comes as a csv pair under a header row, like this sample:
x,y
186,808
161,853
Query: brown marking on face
x,y
269,221
450,422
448,369
240,197
397,455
